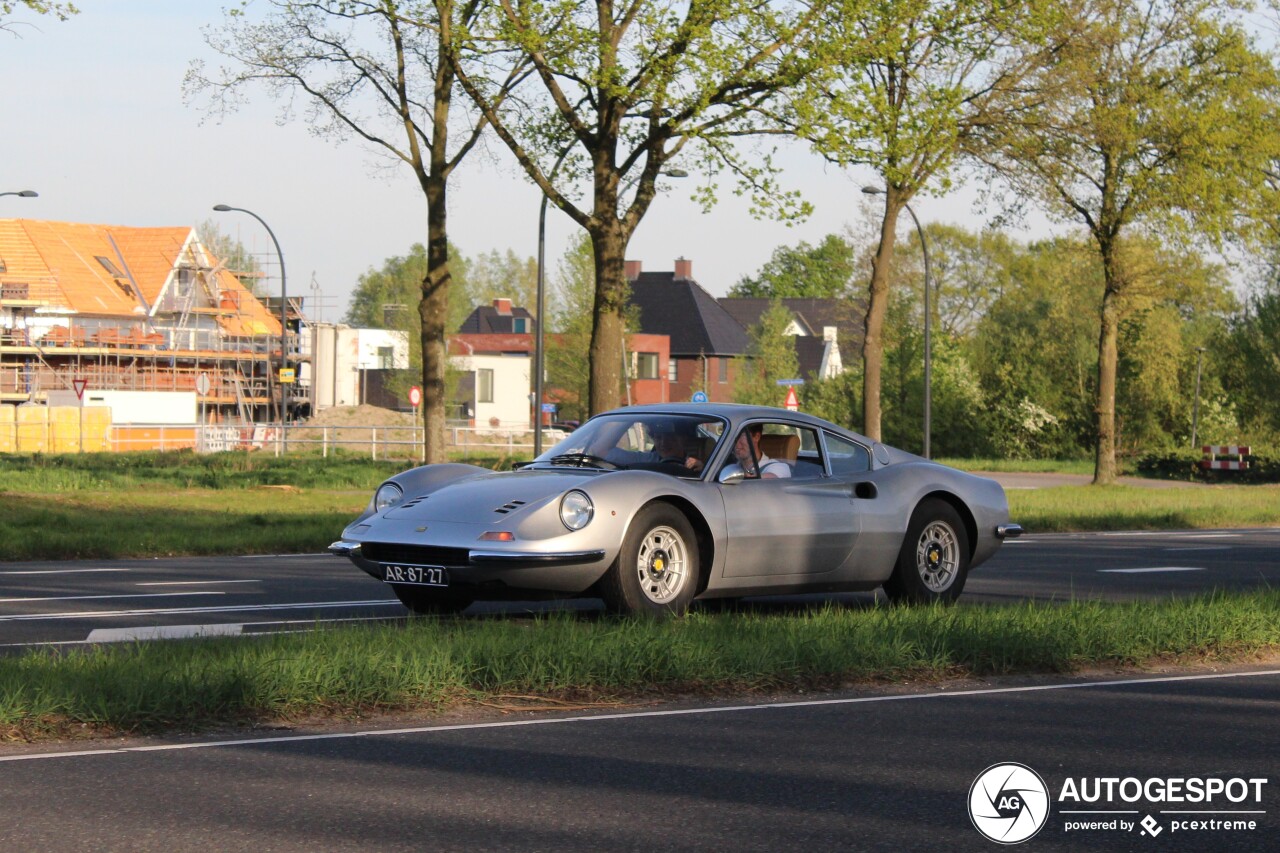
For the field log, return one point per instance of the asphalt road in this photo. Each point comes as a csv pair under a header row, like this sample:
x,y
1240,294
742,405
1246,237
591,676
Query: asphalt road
x,y
888,770
103,601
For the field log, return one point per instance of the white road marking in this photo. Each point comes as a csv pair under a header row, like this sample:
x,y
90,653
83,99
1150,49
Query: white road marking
x,y
62,571
1152,569
1202,548
96,597
231,608
636,715
278,556
190,583
162,632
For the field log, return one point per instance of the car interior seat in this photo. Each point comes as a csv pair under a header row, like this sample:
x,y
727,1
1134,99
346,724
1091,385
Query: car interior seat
x,y
784,447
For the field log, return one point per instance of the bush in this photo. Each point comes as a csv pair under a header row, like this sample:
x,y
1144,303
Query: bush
x,y
1185,465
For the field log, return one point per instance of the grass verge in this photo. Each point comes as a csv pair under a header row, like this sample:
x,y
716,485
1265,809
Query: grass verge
x,y
427,665
1074,508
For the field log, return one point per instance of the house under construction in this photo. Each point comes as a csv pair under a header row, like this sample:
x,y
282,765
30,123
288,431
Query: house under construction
x,y
114,308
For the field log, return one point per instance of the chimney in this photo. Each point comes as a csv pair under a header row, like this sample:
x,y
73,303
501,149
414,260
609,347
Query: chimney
x,y
684,269
829,333
633,269
502,306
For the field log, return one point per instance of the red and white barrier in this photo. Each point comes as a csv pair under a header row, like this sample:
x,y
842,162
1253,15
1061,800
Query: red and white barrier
x,y
1211,462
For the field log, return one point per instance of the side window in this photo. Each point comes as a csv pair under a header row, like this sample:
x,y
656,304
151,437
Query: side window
x,y
847,457
782,451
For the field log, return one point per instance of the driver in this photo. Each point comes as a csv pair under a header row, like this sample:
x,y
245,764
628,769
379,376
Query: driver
x,y
669,447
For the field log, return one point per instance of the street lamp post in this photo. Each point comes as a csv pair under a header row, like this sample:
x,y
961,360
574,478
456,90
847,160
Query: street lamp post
x,y
541,302
23,194
284,322
928,328
1195,409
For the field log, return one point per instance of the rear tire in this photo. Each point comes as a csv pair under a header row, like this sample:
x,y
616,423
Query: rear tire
x,y
656,572
934,561
431,602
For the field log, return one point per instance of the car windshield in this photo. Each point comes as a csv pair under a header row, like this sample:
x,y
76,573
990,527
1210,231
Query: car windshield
x,y
679,445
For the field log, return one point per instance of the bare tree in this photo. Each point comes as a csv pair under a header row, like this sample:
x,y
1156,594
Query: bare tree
x,y
379,71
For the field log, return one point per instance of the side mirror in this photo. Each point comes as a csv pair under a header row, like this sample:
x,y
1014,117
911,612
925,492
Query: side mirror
x,y
731,474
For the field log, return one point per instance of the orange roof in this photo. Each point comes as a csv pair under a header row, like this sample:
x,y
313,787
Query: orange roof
x,y
76,267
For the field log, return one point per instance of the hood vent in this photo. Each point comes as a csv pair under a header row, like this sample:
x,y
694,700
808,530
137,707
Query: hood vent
x,y
509,507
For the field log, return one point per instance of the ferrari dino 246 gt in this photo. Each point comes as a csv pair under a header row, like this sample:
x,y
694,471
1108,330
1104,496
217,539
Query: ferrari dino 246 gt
x,y
652,507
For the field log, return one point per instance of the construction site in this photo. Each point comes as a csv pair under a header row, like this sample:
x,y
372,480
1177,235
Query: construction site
x,y
142,321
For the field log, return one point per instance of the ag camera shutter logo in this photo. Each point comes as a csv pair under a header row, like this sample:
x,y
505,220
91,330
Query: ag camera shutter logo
x,y
1008,803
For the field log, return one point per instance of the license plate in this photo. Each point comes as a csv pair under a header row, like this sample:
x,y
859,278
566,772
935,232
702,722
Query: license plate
x,y
418,575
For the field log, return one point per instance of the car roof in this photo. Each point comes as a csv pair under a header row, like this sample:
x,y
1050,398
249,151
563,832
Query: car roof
x,y
738,413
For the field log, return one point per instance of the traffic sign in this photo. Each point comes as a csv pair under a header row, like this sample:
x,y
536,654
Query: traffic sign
x,y
202,384
415,396
793,402
549,408
790,382
287,376
79,385
699,396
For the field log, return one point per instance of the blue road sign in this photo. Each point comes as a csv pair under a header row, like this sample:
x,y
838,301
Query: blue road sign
x,y
699,396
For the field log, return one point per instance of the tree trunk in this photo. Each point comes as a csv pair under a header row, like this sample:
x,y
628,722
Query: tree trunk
x,y
434,311
609,247
1104,469
877,307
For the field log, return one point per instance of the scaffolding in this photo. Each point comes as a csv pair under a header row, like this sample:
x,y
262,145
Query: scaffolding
x,y
197,328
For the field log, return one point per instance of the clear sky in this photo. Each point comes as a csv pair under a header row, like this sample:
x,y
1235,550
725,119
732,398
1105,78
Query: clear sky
x,y
94,120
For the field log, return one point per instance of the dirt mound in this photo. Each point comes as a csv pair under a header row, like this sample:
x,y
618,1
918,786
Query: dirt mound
x,y
359,416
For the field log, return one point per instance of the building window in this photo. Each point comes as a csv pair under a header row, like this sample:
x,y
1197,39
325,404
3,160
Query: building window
x,y
672,373
724,369
646,365
108,266
484,385
519,325
386,357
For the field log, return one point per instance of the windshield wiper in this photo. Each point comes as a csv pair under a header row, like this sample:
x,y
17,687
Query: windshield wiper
x,y
584,460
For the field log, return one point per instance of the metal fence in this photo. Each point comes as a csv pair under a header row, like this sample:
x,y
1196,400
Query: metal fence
x,y
380,442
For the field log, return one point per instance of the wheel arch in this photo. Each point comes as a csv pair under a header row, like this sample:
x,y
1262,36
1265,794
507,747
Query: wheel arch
x,y
961,508
702,530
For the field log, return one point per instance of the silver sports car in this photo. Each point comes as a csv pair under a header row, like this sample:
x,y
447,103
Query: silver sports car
x,y
651,507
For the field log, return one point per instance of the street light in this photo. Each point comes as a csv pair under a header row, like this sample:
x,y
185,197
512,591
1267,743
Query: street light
x,y
1195,411
284,327
24,194
928,326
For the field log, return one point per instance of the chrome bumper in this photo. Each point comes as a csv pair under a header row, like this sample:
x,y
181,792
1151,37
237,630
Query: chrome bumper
x,y
1008,531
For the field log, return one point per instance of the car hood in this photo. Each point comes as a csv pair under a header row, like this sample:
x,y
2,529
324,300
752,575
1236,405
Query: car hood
x,y
489,498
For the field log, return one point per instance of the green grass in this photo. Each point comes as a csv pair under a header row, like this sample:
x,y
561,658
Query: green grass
x,y
105,506
1075,508
425,665
1031,466
28,473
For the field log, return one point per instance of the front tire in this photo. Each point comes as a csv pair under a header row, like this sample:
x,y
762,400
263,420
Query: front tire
x,y
934,561
431,602
656,573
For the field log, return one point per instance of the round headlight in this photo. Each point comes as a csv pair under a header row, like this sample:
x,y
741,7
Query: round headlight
x,y
576,510
388,494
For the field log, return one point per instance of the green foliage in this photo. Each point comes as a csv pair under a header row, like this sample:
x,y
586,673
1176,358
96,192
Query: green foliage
x,y
772,355
569,342
824,270
837,399
61,11
1250,355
